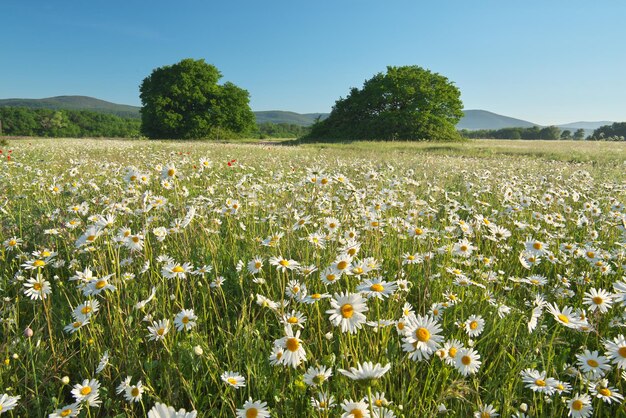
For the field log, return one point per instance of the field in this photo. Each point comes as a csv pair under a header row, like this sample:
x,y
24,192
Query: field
x,y
354,280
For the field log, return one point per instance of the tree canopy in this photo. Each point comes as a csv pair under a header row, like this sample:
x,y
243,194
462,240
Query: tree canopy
x,y
184,101
405,103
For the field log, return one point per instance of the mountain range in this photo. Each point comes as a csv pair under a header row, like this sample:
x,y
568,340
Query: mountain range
x,y
473,119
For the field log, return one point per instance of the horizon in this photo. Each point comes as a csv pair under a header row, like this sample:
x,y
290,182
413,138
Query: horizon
x,y
549,64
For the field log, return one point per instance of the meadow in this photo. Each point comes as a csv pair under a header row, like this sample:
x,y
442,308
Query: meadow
x,y
359,280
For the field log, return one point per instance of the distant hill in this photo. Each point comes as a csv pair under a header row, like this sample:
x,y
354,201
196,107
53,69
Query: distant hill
x,y
481,119
75,103
280,116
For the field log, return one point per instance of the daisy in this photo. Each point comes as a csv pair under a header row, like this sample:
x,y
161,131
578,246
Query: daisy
x,y
255,265
158,330
347,311
294,318
580,406
342,264
124,384
12,243
359,409
366,371
133,393
185,320
97,286
565,317
538,382
422,337
87,392
168,172
233,379
474,325
602,390
104,361
86,309
256,409
463,248
330,275
616,351
294,352
75,326
282,264
598,299
160,410
315,376
486,411
37,288
467,361
323,402
450,348
591,362
7,402
176,271
68,411
377,288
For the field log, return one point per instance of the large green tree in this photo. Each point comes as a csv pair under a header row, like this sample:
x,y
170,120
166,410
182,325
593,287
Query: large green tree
x,y
184,101
405,103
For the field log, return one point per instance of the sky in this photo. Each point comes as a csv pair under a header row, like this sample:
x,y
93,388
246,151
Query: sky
x,y
545,61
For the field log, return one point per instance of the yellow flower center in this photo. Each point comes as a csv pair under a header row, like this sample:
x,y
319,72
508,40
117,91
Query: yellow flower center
x,y
91,238
605,392
347,311
411,257
357,413
134,391
66,412
342,265
257,265
292,320
593,363
352,252
39,263
537,245
622,351
292,344
331,277
563,318
540,382
577,405
591,254
100,284
422,334
86,310
171,172
316,296
12,243
466,360
135,239
375,224
418,231
284,263
357,270
232,381
452,352
133,178
161,331
252,413
473,325
37,286
377,287
332,225
185,320
463,248
85,391
77,324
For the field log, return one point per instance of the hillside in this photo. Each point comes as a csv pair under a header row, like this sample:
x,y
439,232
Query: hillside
x,y
481,119
280,116
74,103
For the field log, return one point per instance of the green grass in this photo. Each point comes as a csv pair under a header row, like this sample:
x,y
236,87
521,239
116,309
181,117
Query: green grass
x,y
402,186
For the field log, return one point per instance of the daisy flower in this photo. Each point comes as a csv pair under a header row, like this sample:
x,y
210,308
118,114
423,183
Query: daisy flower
x,y
366,371
538,382
450,348
354,409
68,411
486,411
168,172
467,361
37,288
294,318
255,265
176,271
347,311
474,325
324,401
8,402
256,409
133,393
598,299
602,390
185,320
12,243
591,362
291,344
377,288
282,264
422,337
87,392
580,406
315,376
616,351
97,286
565,317
233,379
158,330
160,410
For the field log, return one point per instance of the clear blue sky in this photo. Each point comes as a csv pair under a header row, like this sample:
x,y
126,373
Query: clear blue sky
x,y
547,61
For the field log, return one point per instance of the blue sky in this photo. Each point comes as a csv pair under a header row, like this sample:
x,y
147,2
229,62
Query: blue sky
x,y
547,61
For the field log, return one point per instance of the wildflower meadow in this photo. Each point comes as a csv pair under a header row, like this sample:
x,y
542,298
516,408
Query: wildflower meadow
x,y
184,279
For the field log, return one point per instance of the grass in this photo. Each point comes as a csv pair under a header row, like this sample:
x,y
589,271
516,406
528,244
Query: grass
x,y
423,218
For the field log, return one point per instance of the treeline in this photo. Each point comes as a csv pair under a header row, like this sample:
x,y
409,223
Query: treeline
x,y
535,132
19,121
614,132
281,130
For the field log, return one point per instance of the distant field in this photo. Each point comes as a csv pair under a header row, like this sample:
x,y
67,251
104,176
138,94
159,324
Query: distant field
x,y
236,279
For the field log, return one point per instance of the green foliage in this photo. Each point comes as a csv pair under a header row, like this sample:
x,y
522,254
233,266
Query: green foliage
x,y
566,134
19,121
549,132
281,130
579,134
75,103
406,103
184,101
614,132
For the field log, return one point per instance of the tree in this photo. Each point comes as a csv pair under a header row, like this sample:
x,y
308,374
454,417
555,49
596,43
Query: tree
x,y
408,103
566,134
579,134
184,101
550,132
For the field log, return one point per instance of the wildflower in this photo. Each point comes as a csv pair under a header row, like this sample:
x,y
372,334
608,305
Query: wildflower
x,y
347,311
37,288
255,409
467,361
176,271
255,265
580,406
486,411
293,351
377,288
185,320
233,379
160,410
538,382
68,411
8,402
565,316
602,390
158,330
422,337
616,351
133,393
591,362
324,401
474,325
315,376
354,409
87,392
282,264
366,371
598,299
294,318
